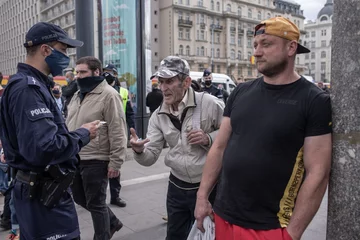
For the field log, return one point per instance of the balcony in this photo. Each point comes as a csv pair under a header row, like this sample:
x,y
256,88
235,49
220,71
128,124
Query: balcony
x,y
240,30
250,32
185,23
216,28
202,25
232,29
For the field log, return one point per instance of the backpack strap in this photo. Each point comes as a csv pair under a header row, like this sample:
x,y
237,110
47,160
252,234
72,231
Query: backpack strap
x,y
196,119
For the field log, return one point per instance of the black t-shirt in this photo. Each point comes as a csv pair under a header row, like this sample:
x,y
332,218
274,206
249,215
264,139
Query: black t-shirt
x,y
263,162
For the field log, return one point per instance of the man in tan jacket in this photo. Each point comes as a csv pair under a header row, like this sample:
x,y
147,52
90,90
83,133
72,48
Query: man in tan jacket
x,y
102,158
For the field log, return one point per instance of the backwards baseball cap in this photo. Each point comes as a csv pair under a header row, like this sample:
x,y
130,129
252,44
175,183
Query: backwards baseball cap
x,y
111,67
171,66
43,32
206,73
281,27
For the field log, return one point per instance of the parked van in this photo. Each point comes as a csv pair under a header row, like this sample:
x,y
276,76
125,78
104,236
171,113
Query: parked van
x,y
218,78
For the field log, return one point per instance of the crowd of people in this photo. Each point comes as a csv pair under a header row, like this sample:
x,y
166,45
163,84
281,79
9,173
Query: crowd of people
x,y
255,161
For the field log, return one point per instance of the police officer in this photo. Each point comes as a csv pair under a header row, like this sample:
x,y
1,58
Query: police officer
x,y
209,87
35,137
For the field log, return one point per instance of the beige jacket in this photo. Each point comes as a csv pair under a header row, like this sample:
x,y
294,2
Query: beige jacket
x,y
104,104
186,161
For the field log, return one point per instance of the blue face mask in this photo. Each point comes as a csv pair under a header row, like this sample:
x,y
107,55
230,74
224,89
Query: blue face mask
x,y
57,62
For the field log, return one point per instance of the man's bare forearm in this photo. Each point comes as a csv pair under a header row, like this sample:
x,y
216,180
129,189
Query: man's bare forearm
x,y
307,204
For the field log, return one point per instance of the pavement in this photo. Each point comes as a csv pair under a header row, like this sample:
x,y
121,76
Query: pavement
x,y
144,189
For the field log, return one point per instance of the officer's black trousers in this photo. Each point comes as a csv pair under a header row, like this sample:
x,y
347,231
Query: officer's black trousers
x,y
89,191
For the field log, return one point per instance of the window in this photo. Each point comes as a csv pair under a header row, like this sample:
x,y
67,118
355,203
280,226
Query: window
x,y
323,18
201,67
232,23
312,66
218,53
181,50
239,71
312,55
249,13
249,55
269,15
218,68
180,2
228,8
313,34
249,73
323,32
323,67
232,39
187,2
323,43
259,15
202,51
187,34
306,56
232,54
202,35
188,50
217,38
218,21
313,44
239,40
212,5
218,6
239,11
307,35
197,51
197,35
181,33
200,3
187,18
202,18
249,42
239,56
323,54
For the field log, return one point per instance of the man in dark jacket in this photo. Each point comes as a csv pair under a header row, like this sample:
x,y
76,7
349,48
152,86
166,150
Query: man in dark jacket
x,y
154,98
209,87
69,90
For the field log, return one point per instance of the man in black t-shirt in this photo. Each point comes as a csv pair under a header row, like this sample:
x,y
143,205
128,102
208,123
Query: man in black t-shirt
x,y
275,129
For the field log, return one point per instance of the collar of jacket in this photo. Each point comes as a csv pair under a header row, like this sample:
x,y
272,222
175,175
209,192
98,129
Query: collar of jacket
x,y
99,88
191,103
31,71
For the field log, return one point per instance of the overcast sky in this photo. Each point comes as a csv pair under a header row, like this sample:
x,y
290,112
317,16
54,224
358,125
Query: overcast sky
x,y
311,7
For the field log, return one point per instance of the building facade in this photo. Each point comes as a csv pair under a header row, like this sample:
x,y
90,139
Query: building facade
x,y
18,16
318,40
216,35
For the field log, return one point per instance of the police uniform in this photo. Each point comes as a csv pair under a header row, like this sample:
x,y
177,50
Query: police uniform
x,y
34,136
213,91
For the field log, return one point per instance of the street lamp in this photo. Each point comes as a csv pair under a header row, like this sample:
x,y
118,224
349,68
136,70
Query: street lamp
x,y
212,26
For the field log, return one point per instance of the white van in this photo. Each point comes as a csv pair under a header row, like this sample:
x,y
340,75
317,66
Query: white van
x,y
218,78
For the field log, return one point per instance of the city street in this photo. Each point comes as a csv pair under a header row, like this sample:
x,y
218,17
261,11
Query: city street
x,y
144,189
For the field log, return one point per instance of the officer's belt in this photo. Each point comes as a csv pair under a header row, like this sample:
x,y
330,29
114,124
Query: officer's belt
x,y
25,176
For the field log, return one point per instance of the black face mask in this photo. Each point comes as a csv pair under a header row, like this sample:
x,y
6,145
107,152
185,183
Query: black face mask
x,y
208,83
87,84
55,91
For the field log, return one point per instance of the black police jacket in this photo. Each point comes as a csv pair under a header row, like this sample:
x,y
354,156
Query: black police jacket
x,y
213,91
33,129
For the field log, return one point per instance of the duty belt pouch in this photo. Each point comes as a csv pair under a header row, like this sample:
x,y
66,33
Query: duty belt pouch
x,y
55,187
33,185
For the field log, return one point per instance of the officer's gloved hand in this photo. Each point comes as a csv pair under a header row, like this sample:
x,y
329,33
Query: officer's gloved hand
x,y
92,127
